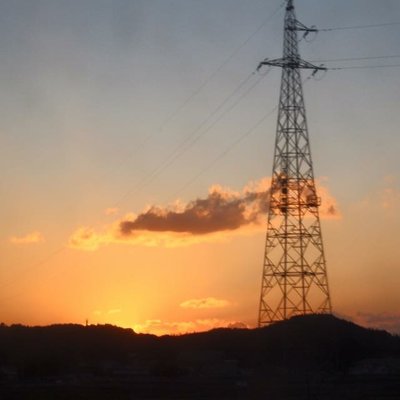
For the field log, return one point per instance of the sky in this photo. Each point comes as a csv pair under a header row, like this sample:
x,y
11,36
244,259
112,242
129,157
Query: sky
x,y
116,112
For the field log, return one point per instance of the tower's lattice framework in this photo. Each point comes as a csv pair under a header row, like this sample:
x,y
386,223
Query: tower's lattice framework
x,y
294,279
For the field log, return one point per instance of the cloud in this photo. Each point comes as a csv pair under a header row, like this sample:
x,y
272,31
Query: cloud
x,y
208,302
329,208
30,238
221,210
387,321
87,239
159,327
390,198
222,213
386,198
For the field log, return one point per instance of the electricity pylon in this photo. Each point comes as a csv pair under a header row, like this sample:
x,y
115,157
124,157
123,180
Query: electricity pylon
x,y
294,279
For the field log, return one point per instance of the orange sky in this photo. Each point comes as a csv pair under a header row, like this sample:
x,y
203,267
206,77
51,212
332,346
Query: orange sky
x,y
174,283
137,145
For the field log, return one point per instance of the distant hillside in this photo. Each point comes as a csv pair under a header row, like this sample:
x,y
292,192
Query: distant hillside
x,y
320,345
322,341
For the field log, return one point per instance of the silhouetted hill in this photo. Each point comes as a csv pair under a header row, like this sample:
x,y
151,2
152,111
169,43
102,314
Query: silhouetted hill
x,y
230,360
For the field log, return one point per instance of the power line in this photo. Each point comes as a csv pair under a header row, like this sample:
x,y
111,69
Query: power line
x,y
230,147
357,59
224,153
210,77
333,69
364,67
193,138
205,83
342,28
214,123
219,68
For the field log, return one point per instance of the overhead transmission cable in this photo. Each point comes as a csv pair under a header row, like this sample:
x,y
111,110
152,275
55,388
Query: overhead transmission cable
x,y
343,28
210,77
356,59
197,133
229,148
364,67
224,152
334,68
220,67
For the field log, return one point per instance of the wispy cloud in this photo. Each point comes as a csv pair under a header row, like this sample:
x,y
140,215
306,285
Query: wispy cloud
x,y
329,208
159,327
390,199
387,321
386,198
222,213
208,302
30,238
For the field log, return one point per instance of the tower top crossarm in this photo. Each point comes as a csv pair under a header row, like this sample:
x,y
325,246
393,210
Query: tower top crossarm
x,y
291,58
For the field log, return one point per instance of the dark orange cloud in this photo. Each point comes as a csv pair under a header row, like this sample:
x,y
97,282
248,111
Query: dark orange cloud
x,y
221,210
222,213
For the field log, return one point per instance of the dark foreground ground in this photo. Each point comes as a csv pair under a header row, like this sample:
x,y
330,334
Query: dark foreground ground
x,y
312,357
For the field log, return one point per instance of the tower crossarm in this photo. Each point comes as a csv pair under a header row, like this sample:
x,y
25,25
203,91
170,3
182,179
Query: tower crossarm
x,y
298,26
291,59
292,63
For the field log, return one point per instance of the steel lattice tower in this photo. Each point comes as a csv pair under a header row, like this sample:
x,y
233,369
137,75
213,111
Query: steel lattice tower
x,y
294,279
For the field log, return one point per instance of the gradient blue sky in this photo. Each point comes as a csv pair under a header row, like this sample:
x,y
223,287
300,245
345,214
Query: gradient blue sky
x,y
85,83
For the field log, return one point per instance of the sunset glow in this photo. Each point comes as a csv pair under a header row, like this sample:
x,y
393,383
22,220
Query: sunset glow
x,y
135,178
